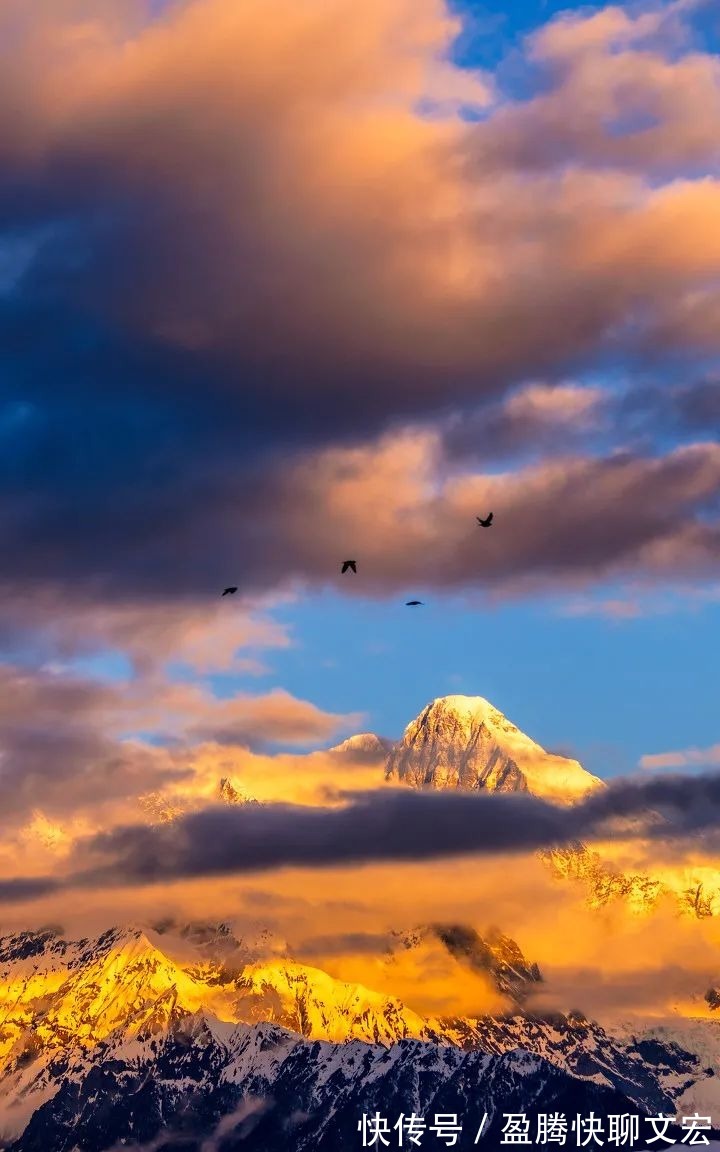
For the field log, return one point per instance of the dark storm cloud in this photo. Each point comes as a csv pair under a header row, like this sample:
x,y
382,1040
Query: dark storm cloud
x,y
28,888
246,248
397,825
387,825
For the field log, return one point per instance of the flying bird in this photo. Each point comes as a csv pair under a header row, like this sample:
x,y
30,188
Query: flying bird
x,y
349,564
410,603
485,523
229,590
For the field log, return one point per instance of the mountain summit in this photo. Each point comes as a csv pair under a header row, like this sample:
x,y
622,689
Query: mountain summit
x,y
464,742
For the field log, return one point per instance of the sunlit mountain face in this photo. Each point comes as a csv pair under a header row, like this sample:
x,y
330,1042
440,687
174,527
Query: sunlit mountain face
x,y
189,1029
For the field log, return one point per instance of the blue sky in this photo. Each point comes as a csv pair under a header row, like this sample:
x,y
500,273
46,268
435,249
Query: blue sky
x,y
494,29
607,691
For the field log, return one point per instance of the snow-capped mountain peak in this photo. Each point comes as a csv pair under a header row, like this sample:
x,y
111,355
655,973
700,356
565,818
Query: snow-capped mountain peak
x,y
364,744
465,742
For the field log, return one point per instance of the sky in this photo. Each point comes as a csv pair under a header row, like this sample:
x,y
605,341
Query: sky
x,y
282,285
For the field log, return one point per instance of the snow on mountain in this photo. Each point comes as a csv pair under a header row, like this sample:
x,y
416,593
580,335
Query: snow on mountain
x,y
230,793
693,892
313,1004
184,1028
698,1036
603,883
364,748
263,1089
188,1006
650,1075
63,1002
464,742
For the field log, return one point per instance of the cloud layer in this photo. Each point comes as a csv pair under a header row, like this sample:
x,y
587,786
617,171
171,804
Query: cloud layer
x,y
71,746
385,825
250,257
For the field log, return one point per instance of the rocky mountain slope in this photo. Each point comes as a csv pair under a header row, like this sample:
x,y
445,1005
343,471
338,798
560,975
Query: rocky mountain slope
x,y
495,955
203,1087
136,1032
464,742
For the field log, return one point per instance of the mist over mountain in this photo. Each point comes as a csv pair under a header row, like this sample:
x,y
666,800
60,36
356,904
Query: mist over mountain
x,y
183,1030
139,1033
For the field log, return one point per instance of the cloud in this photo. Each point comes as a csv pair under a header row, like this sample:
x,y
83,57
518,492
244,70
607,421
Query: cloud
x,y
71,747
208,635
275,718
389,825
610,98
247,228
28,888
570,519
250,1106
394,500
369,943
61,746
610,608
536,418
642,990
699,403
688,758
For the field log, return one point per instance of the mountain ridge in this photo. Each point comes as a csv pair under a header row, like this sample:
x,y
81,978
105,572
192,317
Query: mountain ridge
x,y
120,1006
261,1088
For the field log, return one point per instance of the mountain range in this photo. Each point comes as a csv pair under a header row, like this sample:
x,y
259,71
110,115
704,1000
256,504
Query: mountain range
x,y
132,1034
204,1037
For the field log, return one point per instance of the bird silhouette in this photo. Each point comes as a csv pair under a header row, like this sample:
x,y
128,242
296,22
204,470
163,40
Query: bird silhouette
x,y
485,523
411,603
229,590
349,564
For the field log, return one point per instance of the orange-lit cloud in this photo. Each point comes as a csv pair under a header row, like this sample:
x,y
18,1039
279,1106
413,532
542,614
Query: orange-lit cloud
x,y
687,758
591,959
290,255
72,747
